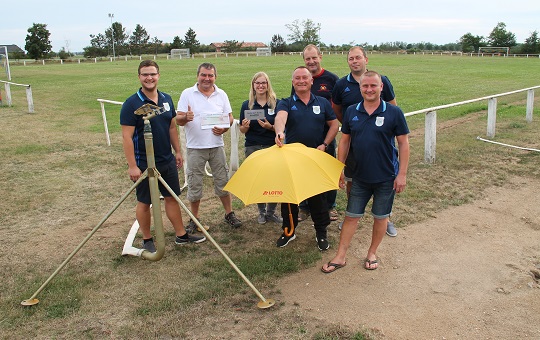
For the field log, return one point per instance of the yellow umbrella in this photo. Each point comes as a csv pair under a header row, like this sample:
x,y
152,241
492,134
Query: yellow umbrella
x,y
287,174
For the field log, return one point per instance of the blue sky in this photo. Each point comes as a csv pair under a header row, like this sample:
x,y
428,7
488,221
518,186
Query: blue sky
x,y
439,22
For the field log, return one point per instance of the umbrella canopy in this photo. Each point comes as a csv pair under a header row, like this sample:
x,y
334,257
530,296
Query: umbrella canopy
x,y
287,174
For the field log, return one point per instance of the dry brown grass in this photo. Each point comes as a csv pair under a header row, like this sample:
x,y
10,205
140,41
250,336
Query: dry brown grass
x,y
59,180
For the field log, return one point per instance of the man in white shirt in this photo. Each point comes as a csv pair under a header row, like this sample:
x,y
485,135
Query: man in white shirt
x,y
205,112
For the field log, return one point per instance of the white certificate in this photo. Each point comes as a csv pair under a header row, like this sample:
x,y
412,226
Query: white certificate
x,y
209,120
254,114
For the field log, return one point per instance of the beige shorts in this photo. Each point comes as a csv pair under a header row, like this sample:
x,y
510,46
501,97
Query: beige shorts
x,y
196,161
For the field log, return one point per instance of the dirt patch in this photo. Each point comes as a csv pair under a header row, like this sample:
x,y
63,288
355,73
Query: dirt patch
x,y
469,273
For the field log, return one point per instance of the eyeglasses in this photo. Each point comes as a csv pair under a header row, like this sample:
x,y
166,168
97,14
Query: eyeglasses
x,y
144,75
257,83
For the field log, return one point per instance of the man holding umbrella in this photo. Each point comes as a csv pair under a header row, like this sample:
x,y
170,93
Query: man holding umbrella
x,y
302,118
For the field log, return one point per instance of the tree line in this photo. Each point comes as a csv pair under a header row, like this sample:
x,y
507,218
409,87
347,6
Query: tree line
x,y
117,41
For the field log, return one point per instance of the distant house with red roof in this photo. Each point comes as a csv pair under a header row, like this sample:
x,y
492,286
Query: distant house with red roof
x,y
219,45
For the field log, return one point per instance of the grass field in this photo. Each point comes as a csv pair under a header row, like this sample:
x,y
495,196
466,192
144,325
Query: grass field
x,y
59,179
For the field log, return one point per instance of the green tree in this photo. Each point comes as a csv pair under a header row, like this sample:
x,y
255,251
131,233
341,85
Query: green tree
x,y
138,41
232,46
278,44
471,43
305,32
117,33
176,43
156,45
38,45
98,46
63,54
190,41
500,37
532,44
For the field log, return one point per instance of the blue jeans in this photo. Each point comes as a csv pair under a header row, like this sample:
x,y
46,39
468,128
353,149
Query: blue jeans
x,y
361,192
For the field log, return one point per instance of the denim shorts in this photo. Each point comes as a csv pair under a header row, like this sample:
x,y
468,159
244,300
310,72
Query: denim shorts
x,y
383,198
169,173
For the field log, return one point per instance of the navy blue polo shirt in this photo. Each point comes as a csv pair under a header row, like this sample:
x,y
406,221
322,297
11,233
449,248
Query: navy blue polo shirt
x,y
323,84
372,140
257,135
347,91
306,123
160,127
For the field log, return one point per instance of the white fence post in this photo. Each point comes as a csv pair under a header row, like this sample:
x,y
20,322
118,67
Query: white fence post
x,y
104,116
530,105
8,94
29,99
430,139
492,117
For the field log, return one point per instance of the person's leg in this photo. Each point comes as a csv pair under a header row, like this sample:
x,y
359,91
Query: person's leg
x,y
226,201
383,199
142,209
286,213
220,173
379,229
142,213
319,213
350,224
196,161
271,208
356,204
332,194
174,214
289,211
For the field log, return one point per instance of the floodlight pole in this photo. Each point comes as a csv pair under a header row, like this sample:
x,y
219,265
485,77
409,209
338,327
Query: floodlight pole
x,y
111,15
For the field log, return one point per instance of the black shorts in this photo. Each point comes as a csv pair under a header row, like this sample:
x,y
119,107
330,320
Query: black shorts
x,y
169,173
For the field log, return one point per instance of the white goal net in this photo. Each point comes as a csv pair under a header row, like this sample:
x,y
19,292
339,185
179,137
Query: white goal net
x,y
264,51
180,53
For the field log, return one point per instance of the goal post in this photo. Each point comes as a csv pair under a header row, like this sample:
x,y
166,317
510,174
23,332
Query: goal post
x,y
264,51
4,61
180,53
493,50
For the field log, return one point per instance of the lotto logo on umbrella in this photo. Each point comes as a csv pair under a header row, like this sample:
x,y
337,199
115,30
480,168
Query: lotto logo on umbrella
x,y
273,193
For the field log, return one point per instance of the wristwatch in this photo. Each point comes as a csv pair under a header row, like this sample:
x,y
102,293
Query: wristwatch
x,y
325,145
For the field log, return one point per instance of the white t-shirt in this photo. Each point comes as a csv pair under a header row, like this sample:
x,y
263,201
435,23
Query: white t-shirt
x,y
217,103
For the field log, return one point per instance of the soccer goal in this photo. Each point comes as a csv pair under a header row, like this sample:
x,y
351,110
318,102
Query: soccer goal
x,y
4,61
264,51
494,50
180,53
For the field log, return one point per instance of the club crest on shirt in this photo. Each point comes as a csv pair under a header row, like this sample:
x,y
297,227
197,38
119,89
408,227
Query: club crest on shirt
x,y
379,121
316,109
271,112
166,106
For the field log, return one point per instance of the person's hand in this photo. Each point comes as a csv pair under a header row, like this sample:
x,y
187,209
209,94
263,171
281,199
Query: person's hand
x,y
280,137
179,160
217,131
245,123
399,183
265,124
189,114
134,173
342,181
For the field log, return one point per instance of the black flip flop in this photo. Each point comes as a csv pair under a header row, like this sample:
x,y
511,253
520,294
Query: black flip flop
x,y
335,265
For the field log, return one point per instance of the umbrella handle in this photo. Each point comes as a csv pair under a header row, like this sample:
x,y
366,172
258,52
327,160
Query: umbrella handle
x,y
285,230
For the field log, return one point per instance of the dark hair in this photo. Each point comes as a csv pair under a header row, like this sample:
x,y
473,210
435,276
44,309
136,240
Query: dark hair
x,y
208,66
147,63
